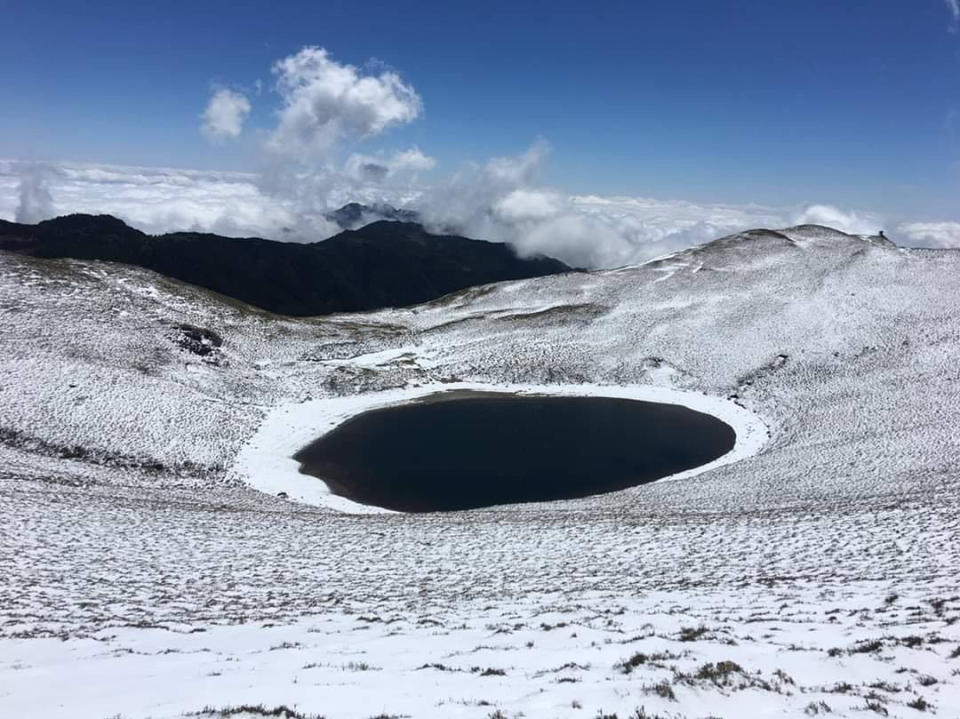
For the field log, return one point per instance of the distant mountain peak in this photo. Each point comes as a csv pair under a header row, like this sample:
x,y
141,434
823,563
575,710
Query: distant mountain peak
x,y
354,215
85,224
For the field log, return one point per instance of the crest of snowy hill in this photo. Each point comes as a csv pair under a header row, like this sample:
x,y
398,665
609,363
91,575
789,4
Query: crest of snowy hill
x,y
830,556
382,264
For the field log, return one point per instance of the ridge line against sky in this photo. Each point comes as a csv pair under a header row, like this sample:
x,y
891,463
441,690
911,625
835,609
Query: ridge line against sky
x,y
803,108
158,200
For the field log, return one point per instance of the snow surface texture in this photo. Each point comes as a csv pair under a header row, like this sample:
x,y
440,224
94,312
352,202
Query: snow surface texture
x,y
144,577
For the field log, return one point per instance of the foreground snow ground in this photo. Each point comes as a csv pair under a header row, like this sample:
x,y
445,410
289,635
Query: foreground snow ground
x,y
146,574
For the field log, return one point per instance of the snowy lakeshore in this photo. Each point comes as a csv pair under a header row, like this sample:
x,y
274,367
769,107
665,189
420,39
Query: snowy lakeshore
x,y
266,463
151,570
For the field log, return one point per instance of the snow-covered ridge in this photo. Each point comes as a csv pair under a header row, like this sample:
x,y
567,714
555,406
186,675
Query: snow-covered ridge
x,y
133,557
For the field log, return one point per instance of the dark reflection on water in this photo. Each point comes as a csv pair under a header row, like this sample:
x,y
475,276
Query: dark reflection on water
x,y
481,449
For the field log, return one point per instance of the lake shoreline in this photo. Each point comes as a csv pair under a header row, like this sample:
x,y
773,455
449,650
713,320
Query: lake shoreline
x,y
267,462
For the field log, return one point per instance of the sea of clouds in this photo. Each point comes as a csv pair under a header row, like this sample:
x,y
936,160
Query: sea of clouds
x,y
327,110
498,201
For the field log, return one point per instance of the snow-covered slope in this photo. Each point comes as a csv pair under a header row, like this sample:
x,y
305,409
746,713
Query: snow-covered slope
x,y
829,556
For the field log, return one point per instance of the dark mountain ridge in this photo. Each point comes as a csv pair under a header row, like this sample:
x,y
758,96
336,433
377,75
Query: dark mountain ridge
x,y
384,264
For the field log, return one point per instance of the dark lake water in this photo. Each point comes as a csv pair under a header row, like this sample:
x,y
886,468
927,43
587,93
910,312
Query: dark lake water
x,y
481,449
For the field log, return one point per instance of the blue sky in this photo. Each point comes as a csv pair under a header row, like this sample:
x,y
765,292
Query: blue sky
x,y
778,102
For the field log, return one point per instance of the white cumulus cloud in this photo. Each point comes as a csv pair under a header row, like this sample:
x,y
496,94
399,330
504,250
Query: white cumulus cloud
x,y
35,203
225,113
325,101
857,223
528,205
153,199
412,160
373,169
930,234
503,200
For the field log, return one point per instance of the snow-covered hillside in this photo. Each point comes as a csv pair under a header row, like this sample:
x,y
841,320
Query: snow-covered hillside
x,y
144,576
